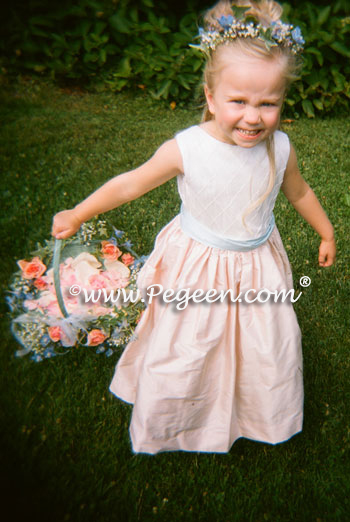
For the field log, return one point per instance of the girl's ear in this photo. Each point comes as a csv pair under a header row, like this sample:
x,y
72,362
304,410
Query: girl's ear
x,y
209,98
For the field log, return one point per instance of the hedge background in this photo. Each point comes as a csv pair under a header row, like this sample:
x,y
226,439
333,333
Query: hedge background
x,y
119,44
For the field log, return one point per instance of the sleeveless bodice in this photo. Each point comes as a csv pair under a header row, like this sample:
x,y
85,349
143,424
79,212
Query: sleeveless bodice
x,y
221,181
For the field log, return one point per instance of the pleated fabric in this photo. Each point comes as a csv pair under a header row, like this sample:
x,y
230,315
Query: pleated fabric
x,y
202,377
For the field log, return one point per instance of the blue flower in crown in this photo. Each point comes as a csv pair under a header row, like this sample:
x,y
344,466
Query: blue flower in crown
x,y
225,21
297,36
278,30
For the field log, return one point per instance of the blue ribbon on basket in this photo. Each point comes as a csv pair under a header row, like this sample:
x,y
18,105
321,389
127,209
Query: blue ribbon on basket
x,y
56,276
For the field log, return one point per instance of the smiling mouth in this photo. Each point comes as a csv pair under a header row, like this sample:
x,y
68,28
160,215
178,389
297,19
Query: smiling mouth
x,y
251,133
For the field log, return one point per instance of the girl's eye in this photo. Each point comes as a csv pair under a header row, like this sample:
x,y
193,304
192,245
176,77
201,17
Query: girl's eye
x,y
240,102
267,104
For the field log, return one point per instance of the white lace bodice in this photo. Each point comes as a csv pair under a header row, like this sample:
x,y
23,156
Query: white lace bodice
x,y
221,181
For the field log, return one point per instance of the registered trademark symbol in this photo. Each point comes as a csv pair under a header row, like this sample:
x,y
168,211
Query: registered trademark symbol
x,y
305,281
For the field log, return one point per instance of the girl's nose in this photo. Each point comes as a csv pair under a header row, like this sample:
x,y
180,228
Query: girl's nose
x,y
252,115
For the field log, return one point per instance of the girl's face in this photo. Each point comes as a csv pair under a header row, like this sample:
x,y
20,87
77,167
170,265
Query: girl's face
x,y
246,99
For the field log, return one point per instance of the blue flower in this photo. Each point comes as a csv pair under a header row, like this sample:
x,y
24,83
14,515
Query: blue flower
x,y
36,357
118,233
136,264
109,352
225,21
100,349
48,353
113,241
44,340
276,30
127,244
297,36
139,261
10,300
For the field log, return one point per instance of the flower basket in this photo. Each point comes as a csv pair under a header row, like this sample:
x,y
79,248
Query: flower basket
x,y
81,291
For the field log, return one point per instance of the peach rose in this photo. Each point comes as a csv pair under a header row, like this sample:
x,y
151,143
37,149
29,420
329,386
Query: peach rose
x,y
127,259
55,333
109,250
32,269
96,337
40,283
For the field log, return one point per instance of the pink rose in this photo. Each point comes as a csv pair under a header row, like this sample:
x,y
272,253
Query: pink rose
x,y
127,259
96,337
55,333
97,281
30,304
40,283
32,269
109,250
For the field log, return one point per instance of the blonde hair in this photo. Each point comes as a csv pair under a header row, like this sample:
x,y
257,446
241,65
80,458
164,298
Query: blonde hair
x,y
265,12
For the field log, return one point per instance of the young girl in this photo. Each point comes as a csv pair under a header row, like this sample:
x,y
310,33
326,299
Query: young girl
x,y
202,376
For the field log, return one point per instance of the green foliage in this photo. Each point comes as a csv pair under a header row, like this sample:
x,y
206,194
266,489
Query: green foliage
x,y
159,59
324,82
72,41
124,44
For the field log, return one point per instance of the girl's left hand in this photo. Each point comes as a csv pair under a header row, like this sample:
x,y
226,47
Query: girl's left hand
x,y
326,253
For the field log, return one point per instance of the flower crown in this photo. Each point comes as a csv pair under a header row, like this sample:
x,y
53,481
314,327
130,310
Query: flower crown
x,y
246,26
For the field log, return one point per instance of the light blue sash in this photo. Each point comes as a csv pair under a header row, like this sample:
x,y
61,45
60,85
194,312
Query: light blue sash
x,y
201,233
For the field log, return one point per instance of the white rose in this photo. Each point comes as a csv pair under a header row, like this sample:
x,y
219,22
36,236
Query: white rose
x,y
85,265
116,266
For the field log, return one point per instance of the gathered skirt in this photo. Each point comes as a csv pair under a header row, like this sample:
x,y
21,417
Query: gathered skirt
x,y
204,375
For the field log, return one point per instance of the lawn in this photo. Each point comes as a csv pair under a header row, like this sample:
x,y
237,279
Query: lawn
x,y
65,450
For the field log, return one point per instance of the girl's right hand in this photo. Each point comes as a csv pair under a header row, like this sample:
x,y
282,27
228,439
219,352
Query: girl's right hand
x,y
65,224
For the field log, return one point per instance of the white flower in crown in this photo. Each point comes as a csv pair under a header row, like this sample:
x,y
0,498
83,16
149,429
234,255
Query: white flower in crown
x,y
278,33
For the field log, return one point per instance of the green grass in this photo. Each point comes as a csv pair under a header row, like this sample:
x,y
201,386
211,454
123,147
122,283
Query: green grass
x,y
65,450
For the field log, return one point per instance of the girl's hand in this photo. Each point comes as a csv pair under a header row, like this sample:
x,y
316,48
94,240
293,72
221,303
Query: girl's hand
x,y
65,224
326,255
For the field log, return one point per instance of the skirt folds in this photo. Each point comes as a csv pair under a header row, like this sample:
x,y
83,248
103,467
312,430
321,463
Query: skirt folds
x,y
204,375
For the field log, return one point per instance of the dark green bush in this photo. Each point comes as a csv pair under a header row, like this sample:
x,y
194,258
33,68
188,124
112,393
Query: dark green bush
x,y
325,77
127,43
69,40
160,59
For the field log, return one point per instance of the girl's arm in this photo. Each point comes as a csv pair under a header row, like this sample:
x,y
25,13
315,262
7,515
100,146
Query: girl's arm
x,y
164,165
304,200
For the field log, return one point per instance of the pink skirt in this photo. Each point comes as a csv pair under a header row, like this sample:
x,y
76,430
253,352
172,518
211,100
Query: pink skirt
x,y
203,376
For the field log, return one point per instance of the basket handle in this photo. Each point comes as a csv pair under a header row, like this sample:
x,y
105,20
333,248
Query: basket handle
x,y
56,276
